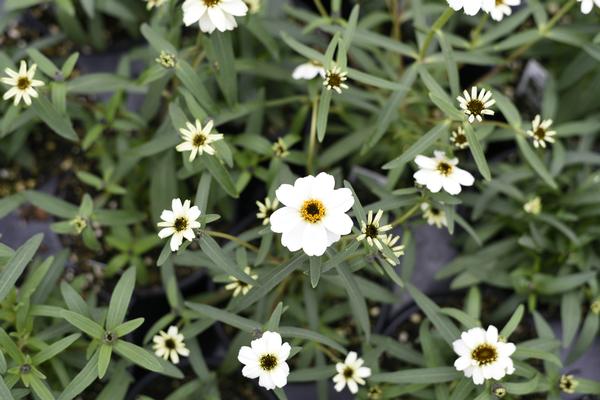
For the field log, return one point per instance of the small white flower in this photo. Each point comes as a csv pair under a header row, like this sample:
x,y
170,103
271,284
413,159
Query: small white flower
x,y
441,172
335,78
434,216
314,216
372,231
150,4
265,360
351,373
482,355
22,83
470,7
170,345
266,209
459,139
398,250
308,71
197,140
476,106
499,8
179,223
213,14
240,287
587,5
533,206
540,133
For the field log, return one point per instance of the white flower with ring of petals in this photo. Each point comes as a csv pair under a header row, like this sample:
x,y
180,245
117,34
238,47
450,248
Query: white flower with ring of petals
x,y
474,105
213,14
441,172
22,83
170,344
265,359
351,373
179,223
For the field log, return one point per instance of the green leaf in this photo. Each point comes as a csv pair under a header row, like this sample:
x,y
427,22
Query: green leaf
x,y
84,324
446,328
508,109
323,113
55,348
513,322
43,62
119,301
570,316
51,204
315,270
225,317
301,333
588,333
273,322
477,152
357,300
5,391
59,123
522,388
222,56
16,264
212,249
73,300
157,40
220,173
419,146
127,327
534,161
103,359
192,82
82,380
418,375
40,388
523,353
137,355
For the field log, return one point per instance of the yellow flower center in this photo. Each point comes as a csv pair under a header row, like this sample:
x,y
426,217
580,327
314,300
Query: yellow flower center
x,y
475,106
312,211
198,140
180,224
348,372
444,168
485,354
23,83
211,3
267,362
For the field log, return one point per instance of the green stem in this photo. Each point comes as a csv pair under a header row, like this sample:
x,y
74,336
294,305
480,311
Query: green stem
x,y
401,219
321,8
313,137
565,9
477,31
439,24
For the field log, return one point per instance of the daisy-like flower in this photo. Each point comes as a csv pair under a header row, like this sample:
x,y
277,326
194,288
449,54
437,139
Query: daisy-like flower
x,y
170,345
441,172
213,14
398,249
482,355
280,149
533,206
22,83
179,223
499,8
434,215
470,7
335,78
240,287
459,139
351,373
314,216
476,106
266,209
150,4
587,5
540,132
308,71
265,359
568,384
372,231
197,140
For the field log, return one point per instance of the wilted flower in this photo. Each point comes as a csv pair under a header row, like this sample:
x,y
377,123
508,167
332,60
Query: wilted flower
x,y
335,78
540,133
499,8
568,383
476,106
266,209
441,172
595,307
499,392
482,355
253,5
351,373
398,250
166,59
459,139
280,149
150,4
179,223
434,216
79,224
22,83
308,71
587,5
372,231
197,140
170,345
533,206
213,14
240,287
314,216
265,360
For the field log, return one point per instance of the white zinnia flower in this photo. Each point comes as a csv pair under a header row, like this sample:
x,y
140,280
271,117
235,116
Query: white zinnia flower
x,y
459,139
398,250
179,223
441,172
240,287
470,7
372,231
197,140
334,79
308,71
587,5
434,216
266,209
533,206
351,373
22,83
482,355
499,8
314,216
265,360
540,133
170,345
213,14
476,106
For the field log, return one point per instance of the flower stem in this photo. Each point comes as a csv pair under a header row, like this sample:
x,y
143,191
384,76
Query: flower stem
x,y
232,238
313,137
437,25
321,8
401,219
477,31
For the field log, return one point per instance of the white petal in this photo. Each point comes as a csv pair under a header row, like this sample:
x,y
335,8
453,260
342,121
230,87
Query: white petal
x,y
251,371
292,239
314,240
247,356
340,199
451,186
338,223
425,162
462,363
289,197
284,219
491,335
